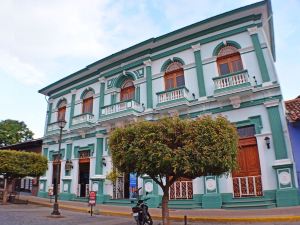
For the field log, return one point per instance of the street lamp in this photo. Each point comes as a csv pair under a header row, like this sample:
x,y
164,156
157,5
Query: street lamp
x,y
61,124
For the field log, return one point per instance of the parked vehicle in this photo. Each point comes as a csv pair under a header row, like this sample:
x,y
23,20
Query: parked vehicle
x,y
141,213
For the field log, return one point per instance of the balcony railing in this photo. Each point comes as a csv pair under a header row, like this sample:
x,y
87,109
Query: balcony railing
x,y
121,106
173,94
82,118
52,127
231,80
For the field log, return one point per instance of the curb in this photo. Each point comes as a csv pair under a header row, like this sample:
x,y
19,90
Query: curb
x,y
180,218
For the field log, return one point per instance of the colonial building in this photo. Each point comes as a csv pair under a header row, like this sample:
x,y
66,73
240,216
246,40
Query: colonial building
x,y
221,65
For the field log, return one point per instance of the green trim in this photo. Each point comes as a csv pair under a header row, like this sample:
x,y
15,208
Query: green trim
x,y
200,74
101,97
253,120
45,152
49,113
86,91
99,154
287,197
122,78
69,152
211,201
172,89
149,50
277,133
222,45
83,114
89,147
72,110
139,73
138,94
169,61
260,58
172,101
60,101
216,190
149,87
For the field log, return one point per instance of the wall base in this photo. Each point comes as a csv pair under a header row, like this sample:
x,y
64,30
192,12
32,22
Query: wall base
x,y
287,197
66,196
211,201
154,201
100,199
42,194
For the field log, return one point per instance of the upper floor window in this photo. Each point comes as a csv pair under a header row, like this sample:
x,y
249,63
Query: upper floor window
x,y
174,76
127,90
61,111
229,60
87,102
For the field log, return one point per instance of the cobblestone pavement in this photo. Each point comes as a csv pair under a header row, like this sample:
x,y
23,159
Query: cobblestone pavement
x,y
37,215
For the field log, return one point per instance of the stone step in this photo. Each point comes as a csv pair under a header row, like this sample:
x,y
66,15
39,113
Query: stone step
x,y
249,206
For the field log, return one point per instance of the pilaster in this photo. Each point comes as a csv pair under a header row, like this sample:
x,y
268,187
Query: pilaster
x,y
212,198
149,83
101,96
152,188
199,70
253,32
73,92
99,154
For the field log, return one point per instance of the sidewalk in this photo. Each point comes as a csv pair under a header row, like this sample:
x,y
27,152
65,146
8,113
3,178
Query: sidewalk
x,y
211,215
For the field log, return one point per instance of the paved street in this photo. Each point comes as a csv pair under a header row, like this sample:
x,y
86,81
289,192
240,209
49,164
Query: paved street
x,y
37,215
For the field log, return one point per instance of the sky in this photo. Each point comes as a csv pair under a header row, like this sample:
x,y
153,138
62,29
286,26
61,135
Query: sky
x,y
43,41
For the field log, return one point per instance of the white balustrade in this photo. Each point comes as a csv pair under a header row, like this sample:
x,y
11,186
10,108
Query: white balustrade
x,y
52,127
172,95
231,80
121,106
82,118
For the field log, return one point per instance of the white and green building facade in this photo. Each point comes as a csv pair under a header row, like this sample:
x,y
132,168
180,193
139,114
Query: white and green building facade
x,y
222,65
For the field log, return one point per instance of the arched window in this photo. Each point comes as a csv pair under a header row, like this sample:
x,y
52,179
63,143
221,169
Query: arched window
x,y
61,111
87,102
127,90
174,76
229,60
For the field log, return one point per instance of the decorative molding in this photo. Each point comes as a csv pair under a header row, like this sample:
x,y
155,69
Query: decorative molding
x,y
252,30
281,162
196,47
73,91
235,101
148,62
271,103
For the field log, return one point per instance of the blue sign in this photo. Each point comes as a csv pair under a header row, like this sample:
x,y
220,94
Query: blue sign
x,y
132,185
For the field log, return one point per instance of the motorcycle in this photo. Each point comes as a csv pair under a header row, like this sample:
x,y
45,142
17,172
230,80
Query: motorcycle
x,y
140,212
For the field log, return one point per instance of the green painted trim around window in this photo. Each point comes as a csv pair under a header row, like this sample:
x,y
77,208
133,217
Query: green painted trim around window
x,y
101,97
169,61
72,110
149,87
45,152
222,45
151,51
200,74
99,154
260,58
89,147
122,78
277,133
86,91
253,120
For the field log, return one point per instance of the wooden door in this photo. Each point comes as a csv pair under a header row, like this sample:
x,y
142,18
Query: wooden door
x,y
247,178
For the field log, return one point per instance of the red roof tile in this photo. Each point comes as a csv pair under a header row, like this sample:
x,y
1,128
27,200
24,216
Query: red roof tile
x,y
293,109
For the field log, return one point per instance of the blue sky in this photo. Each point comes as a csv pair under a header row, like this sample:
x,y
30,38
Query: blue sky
x,y
43,41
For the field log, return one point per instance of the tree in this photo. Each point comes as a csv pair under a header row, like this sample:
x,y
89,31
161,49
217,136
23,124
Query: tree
x,y
171,148
17,164
13,131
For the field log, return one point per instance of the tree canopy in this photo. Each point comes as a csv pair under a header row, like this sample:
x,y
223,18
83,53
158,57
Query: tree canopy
x,y
13,131
18,164
171,148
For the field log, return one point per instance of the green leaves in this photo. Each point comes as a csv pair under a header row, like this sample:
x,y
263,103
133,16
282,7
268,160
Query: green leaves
x,y
13,131
15,164
171,147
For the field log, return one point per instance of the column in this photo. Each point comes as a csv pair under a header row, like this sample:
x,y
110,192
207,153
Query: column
x,y
199,70
137,94
149,84
253,32
73,92
152,188
101,96
49,113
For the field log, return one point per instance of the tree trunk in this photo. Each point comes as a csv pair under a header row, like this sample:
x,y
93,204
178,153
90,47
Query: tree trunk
x,y
165,208
8,188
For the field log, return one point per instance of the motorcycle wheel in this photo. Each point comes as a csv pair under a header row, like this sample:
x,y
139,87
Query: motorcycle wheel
x,y
148,219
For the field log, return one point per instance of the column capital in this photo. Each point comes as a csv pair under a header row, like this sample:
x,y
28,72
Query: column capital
x,y
252,30
196,47
73,91
101,80
50,100
147,62
98,135
271,103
